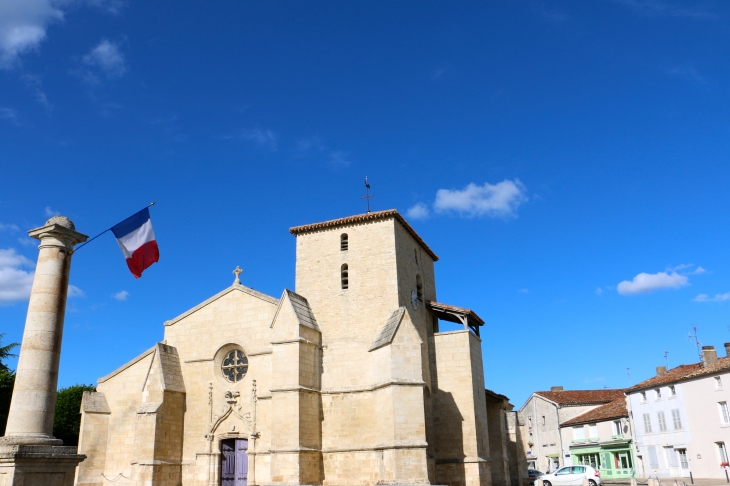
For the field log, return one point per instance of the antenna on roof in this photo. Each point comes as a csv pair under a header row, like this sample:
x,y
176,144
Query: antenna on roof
x,y
666,358
367,195
693,339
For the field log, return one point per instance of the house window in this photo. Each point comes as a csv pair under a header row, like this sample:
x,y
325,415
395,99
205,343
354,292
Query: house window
x,y
343,242
653,459
676,419
617,427
593,460
643,396
234,366
662,422
683,462
579,433
671,456
722,451
647,423
724,416
593,429
672,391
343,276
658,393
419,287
718,383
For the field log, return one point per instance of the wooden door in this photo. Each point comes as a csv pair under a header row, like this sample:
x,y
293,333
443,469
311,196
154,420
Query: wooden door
x,y
228,463
241,462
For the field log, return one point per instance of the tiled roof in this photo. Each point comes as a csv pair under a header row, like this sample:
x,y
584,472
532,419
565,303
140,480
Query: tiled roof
x,y
363,218
682,372
472,317
612,410
582,397
495,394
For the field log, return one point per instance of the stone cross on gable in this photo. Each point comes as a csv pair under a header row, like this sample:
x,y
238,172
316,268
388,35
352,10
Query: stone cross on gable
x,y
237,272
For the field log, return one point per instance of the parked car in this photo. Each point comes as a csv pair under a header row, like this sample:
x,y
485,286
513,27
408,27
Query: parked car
x,y
533,474
571,476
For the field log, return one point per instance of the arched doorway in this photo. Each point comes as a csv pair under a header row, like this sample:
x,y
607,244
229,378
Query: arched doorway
x,y
234,462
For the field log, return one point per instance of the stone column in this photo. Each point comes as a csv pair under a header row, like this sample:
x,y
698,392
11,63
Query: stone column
x,y
29,446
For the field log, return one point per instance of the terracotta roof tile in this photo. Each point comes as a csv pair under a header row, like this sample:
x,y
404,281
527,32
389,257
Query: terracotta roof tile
x,y
362,218
682,372
612,410
582,397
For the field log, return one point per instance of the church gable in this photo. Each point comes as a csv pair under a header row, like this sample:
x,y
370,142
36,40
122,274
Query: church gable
x,y
233,288
165,373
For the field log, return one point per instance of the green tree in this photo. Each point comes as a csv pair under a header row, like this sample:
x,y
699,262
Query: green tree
x,y
7,379
67,420
5,353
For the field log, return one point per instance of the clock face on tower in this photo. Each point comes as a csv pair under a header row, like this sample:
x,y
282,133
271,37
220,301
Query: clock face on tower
x,y
414,299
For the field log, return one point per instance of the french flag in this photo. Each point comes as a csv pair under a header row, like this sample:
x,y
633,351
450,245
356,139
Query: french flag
x,y
136,238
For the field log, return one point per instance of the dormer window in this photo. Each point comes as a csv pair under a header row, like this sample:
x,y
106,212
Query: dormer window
x,y
343,276
343,242
419,288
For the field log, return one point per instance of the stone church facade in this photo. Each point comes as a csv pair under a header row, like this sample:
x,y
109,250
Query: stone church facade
x,y
346,381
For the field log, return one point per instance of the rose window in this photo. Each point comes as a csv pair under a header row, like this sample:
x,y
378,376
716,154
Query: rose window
x,y
234,366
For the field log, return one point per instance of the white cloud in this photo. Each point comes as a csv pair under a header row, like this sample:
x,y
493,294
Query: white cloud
x,y
108,57
658,8
15,281
23,25
599,291
649,282
51,212
418,211
495,200
121,295
74,291
12,228
524,291
10,115
717,298
698,271
264,138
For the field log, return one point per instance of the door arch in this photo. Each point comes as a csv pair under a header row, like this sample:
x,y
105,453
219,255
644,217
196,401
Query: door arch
x,y
234,462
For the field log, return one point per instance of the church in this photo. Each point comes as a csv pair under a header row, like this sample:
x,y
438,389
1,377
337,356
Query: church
x,y
346,380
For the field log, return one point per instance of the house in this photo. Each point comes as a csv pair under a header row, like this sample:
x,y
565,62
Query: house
x,y
602,438
681,418
541,417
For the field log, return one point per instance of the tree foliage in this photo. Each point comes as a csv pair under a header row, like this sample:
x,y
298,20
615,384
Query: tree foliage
x,y
5,353
7,379
67,420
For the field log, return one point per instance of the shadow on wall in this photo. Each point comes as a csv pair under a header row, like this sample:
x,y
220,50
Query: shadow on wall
x,y
449,444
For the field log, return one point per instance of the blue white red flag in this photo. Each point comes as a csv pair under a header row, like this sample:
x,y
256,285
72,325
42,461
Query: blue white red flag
x,y
136,238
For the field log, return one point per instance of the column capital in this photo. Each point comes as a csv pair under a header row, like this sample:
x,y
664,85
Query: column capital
x,y
61,229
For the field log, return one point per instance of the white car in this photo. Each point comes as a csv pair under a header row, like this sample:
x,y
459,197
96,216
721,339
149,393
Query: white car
x,y
571,476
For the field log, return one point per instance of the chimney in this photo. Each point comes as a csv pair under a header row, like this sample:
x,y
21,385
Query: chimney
x,y
727,350
556,388
661,370
709,356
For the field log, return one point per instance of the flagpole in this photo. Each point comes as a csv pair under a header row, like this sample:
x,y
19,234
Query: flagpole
x,y
107,230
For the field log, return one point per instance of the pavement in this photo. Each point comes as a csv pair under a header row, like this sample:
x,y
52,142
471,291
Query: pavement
x,y
671,482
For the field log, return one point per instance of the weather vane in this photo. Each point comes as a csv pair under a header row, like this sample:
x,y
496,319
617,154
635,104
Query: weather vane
x,y
367,195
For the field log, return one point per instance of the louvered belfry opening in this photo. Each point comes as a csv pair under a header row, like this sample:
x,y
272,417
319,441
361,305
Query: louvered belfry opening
x,y
343,242
419,287
343,276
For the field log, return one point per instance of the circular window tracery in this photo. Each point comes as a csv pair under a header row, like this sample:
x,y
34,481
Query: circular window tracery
x,y
234,366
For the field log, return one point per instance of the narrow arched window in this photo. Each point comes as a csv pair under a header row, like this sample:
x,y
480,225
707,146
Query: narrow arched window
x,y
343,276
343,242
419,288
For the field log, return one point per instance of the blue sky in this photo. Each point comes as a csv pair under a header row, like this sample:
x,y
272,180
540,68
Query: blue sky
x,y
568,161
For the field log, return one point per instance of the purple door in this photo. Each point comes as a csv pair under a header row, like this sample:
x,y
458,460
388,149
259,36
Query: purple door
x,y
234,462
